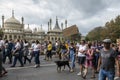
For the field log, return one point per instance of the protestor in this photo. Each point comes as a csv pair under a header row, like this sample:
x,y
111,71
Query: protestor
x,y
108,58
10,47
32,50
118,50
6,53
90,61
26,52
17,54
36,51
81,56
2,69
72,54
63,51
49,49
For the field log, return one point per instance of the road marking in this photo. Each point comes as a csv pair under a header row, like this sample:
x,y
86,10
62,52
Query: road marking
x,y
14,68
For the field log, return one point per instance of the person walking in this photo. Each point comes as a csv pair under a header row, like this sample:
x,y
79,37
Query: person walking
x,y
17,54
81,56
49,49
2,69
72,51
10,47
106,64
26,52
6,53
36,52
90,61
31,50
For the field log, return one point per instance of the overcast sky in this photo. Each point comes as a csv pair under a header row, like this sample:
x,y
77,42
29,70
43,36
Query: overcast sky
x,y
86,14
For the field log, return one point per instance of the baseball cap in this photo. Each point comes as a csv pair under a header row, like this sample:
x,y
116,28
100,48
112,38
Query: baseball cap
x,y
107,40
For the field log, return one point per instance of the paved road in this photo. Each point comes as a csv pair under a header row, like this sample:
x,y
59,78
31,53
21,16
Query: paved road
x,y
47,71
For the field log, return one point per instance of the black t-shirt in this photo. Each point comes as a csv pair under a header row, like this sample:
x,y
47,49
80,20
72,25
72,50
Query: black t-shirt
x,y
108,59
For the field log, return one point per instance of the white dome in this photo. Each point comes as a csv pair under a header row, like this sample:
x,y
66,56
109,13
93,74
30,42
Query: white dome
x,y
28,30
12,23
12,20
40,30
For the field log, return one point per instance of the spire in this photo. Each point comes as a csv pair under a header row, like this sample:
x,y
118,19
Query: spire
x,y
28,26
41,26
65,23
50,24
56,19
62,26
12,13
22,19
56,25
2,21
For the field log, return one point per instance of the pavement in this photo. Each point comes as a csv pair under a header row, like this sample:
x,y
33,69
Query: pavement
x,y
47,71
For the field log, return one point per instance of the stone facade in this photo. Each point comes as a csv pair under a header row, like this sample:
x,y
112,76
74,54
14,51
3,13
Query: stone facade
x,y
13,29
56,33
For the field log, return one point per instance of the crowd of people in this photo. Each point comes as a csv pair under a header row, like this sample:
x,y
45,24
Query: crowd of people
x,y
101,57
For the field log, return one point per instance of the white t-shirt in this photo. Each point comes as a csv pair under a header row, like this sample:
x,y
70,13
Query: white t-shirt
x,y
32,46
17,45
1,43
36,47
81,47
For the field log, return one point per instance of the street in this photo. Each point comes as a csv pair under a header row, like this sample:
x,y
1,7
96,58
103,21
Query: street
x,y
47,71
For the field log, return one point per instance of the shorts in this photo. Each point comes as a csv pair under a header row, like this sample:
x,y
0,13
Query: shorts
x,y
90,63
81,60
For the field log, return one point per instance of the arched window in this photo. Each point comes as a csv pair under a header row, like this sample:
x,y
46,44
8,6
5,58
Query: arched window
x,y
5,36
55,38
10,36
15,36
58,38
19,37
52,38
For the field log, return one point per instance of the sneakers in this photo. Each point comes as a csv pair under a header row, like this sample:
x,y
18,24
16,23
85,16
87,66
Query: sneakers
x,y
21,66
5,72
36,66
71,70
79,73
12,66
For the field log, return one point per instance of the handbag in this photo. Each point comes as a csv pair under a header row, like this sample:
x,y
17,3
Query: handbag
x,y
16,53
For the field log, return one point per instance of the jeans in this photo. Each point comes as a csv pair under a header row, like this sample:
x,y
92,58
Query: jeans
x,y
96,60
0,62
106,74
9,56
72,59
49,54
37,60
17,58
26,58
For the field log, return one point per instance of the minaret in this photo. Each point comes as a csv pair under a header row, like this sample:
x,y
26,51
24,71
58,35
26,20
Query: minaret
x,y
2,21
50,24
22,25
41,26
65,23
28,26
12,13
22,19
62,26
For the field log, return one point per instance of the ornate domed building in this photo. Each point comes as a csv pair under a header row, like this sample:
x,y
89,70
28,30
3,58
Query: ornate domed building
x,y
56,33
12,28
